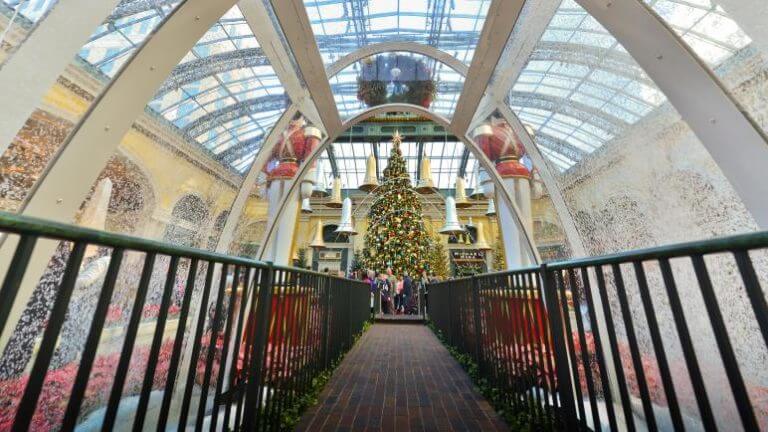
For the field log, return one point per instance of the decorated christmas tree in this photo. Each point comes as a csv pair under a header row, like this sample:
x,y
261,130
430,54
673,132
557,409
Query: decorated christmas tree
x,y
396,236
438,259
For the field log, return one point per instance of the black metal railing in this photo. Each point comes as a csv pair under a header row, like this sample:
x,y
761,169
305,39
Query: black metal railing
x,y
164,337
670,338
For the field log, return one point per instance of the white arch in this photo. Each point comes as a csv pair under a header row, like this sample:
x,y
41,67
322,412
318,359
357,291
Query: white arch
x,y
383,47
415,109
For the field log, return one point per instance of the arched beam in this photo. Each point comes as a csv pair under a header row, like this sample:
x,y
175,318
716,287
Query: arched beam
x,y
486,163
550,182
30,72
736,143
262,157
384,47
294,21
99,132
501,19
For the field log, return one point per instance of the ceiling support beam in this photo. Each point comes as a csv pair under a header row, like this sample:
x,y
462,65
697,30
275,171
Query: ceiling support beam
x,y
501,19
30,72
375,147
261,159
464,162
334,163
292,16
419,158
270,42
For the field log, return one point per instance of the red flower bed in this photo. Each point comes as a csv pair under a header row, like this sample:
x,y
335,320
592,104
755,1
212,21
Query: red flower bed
x,y
58,386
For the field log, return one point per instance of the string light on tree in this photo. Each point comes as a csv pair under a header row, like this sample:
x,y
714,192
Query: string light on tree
x,y
396,237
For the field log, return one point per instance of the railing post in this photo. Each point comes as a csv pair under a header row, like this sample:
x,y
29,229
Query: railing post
x,y
449,300
564,385
422,302
477,323
327,323
260,340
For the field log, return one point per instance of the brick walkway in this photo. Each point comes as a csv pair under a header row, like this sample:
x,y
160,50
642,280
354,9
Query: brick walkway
x,y
399,377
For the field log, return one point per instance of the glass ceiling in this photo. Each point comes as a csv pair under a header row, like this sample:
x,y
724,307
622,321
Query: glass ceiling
x,y
446,158
580,88
342,26
345,84
32,10
704,26
228,113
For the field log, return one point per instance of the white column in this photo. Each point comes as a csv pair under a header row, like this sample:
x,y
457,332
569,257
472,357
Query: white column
x,y
510,231
279,246
523,200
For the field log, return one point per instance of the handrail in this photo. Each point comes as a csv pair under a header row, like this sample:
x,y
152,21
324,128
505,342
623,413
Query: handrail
x,y
213,327
18,224
562,355
755,240
747,241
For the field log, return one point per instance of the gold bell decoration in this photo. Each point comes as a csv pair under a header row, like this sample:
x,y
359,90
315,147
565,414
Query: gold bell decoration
x,y
346,226
426,185
481,242
491,211
452,225
469,223
320,190
467,240
461,194
335,201
318,242
306,207
371,181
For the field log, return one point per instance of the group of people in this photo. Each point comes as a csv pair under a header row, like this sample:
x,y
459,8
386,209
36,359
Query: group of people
x,y
397,294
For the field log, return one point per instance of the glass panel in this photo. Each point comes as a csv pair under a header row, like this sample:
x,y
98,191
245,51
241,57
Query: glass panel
x,y
18,19
109,47
717,38
397,78
342,27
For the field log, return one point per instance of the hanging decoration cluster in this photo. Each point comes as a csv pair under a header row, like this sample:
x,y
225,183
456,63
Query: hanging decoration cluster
x,y
396,237
395,78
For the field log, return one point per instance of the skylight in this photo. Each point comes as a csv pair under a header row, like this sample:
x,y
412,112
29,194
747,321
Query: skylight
x,y
580,88
229,112
446,157
342,26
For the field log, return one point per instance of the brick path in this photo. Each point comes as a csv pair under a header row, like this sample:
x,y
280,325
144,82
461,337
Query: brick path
x,y
399,377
